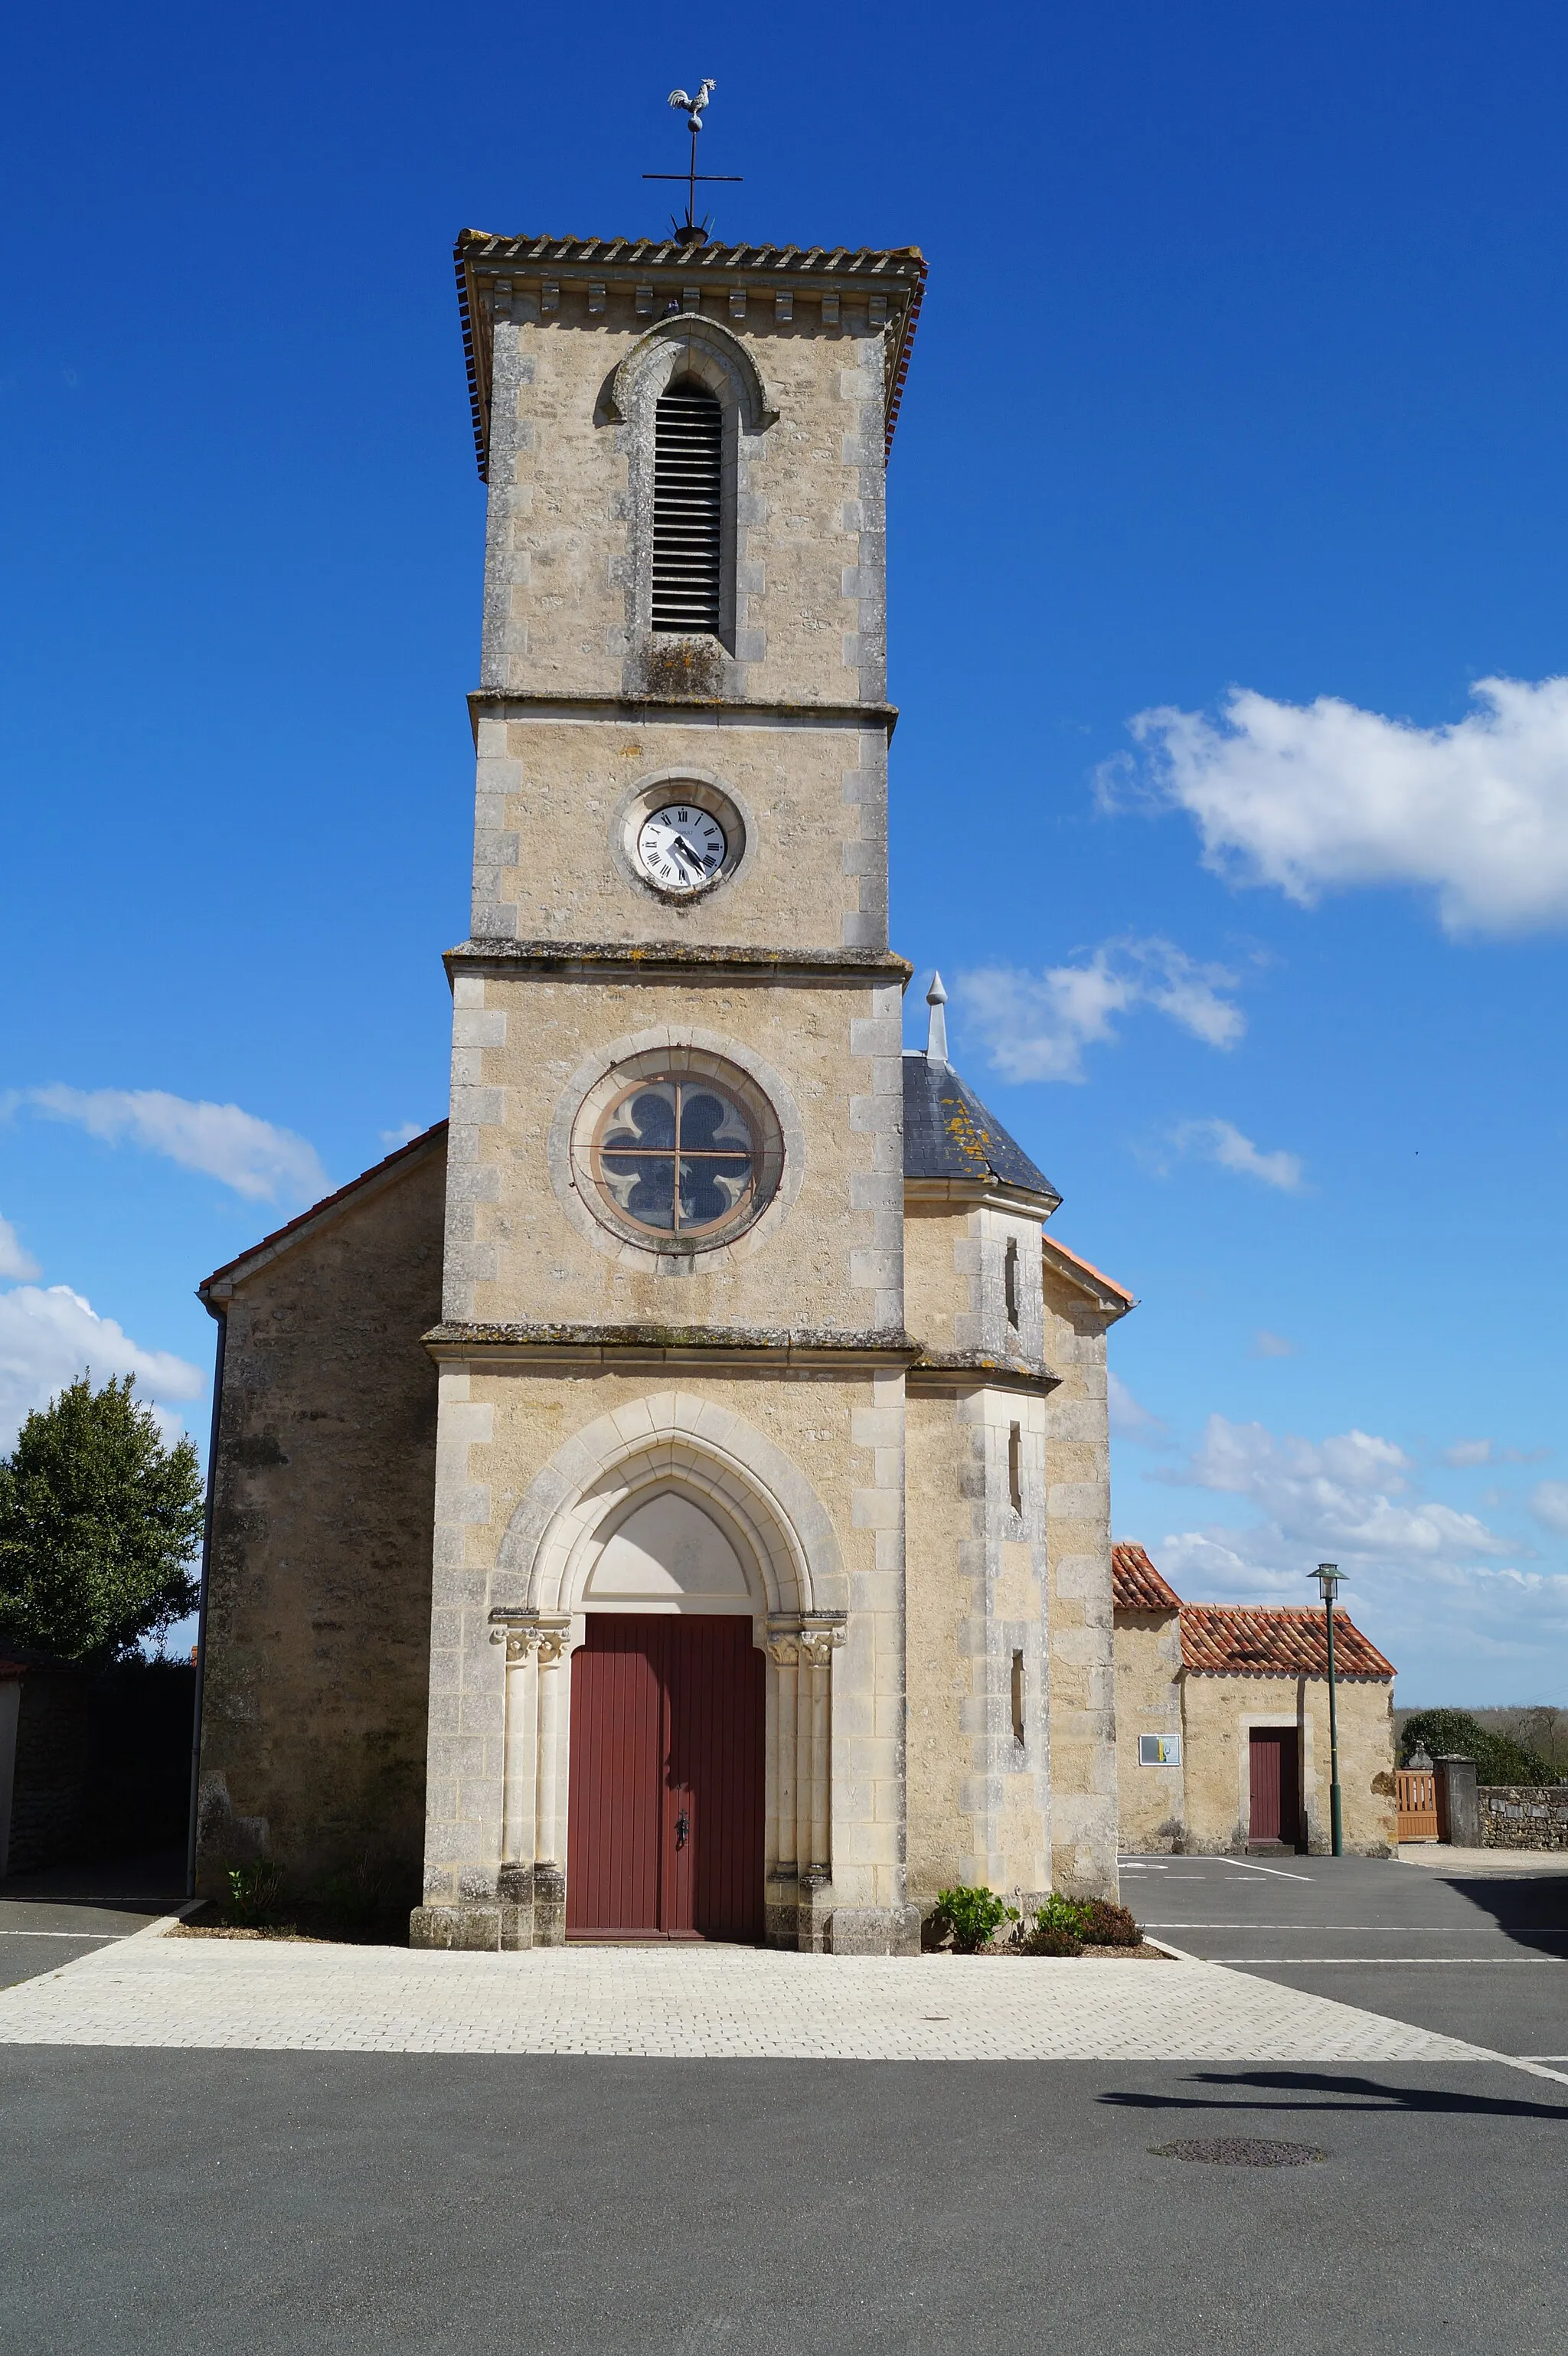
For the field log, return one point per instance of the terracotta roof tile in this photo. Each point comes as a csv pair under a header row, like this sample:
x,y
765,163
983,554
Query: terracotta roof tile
x,y
1054,1244
1274,1640
1136,1586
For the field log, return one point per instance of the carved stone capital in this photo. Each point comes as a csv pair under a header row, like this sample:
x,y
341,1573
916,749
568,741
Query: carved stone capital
x,y
809,1636
524,1633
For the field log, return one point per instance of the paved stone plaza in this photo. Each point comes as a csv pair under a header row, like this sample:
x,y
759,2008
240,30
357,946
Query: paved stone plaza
x,y
690,2001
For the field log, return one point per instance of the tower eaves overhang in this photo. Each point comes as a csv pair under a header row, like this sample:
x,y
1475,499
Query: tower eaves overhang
x,y
896,276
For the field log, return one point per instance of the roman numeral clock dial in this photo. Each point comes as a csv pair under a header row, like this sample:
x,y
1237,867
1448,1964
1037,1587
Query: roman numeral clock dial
x,y
680,848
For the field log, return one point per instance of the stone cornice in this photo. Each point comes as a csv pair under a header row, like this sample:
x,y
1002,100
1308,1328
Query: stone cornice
x,y
947,1370
656,961
651,274
962,1193
729,1345
707,710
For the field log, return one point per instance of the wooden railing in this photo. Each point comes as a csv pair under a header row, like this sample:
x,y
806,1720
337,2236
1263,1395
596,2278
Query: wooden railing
x,y
1417,1803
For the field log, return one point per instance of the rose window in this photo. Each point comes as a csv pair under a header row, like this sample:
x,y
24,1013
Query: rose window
x,y
677,1156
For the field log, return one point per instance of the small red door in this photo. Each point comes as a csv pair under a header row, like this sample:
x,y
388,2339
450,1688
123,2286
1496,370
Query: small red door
x,y
1275,1786
665,1811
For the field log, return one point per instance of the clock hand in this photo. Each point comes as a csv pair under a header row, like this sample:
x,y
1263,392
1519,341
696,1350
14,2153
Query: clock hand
x,y
694,856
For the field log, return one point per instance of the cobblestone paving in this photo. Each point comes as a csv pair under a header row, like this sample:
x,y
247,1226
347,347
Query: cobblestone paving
x,y
690,2002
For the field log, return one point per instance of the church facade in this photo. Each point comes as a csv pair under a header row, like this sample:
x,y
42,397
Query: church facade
x,y
671,1497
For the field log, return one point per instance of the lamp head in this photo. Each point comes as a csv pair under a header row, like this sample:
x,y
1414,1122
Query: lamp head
x,y
1328,1577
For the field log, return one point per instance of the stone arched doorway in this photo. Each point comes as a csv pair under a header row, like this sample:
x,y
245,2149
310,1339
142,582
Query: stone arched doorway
x,y
667,1721
607,1529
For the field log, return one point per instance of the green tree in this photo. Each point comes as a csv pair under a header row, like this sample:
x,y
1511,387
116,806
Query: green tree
x,y
99,1522
1498,1760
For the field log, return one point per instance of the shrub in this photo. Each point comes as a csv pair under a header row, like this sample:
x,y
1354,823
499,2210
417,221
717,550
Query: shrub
x,y
1084,1922
1042,1942
1498,1759
255,1894
1070,1915
358,1894
1111,1926
968,1917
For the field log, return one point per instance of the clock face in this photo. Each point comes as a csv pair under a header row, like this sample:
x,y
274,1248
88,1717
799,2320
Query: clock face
x,y
681,846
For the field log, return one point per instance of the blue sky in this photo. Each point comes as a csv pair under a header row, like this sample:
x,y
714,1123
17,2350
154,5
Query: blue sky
x,y
1237,400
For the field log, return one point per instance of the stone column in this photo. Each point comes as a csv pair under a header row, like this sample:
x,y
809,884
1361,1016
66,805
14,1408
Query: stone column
x,y
1458,1805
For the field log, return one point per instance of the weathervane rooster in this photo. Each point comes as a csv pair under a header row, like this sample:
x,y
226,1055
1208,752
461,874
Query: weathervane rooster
x,y
694,106
694,232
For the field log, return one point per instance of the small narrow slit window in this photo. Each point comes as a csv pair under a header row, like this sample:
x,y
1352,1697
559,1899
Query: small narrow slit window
x,y
688,501
1016,1466
1019,1700
1010,1282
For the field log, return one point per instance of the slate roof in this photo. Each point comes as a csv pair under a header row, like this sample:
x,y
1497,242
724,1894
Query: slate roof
x,y
1274,1640
948,1133
1136,1586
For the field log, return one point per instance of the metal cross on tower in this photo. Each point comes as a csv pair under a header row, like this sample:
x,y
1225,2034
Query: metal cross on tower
x,y
692,232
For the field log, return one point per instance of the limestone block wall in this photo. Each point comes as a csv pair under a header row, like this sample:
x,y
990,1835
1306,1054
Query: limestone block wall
x,y
560,802
1152,1800
979,1777
523,1245
811,1464
976,1573
956,1282
318,1628
569,495
1218,1713
1084,1792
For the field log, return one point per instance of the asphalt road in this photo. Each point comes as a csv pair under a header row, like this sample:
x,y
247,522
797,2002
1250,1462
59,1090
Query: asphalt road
x,y
1477,1957
49,1919
269,2203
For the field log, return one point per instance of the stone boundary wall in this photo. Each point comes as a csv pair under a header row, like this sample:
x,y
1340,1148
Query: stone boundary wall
x,y
1524,1815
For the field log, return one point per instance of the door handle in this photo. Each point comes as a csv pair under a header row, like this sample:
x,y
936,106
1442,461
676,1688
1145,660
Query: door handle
x,y
682,1829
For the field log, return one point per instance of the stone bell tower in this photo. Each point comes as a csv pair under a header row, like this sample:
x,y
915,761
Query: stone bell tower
x,y
668,1673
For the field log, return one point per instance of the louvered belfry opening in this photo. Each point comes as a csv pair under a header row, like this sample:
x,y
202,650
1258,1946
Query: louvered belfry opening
x,y
688,463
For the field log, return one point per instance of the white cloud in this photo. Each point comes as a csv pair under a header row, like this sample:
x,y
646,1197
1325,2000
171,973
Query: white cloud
x,y
1035,1026
1423,1581
1463,1453
404,1133
1130,1419
1319,797
1349,1498
1549,1504
14,1259
255,1158
1221,1141
50,1337
1271,1345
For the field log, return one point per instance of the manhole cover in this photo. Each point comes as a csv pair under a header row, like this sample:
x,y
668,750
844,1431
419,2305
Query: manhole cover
x,y
1239,2151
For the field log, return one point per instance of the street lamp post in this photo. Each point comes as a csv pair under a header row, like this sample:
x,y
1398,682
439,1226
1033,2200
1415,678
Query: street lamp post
x,y
1328,1577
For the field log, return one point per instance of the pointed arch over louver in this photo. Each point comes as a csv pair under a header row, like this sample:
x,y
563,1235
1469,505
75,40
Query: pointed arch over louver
x,y
689,489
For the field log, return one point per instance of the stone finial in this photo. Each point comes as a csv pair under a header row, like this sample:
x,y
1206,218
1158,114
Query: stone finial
x,y
936,1038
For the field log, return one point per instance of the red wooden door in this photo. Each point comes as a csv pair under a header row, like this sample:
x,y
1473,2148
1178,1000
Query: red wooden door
x,y
1275,1813
615,1791
666,1799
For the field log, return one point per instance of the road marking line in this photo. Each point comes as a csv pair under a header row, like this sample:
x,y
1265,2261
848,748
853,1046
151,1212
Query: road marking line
x,y
1246,1864
86,1936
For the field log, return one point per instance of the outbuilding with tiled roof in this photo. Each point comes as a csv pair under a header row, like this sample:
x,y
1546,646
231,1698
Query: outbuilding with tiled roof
x,y
1222,1722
